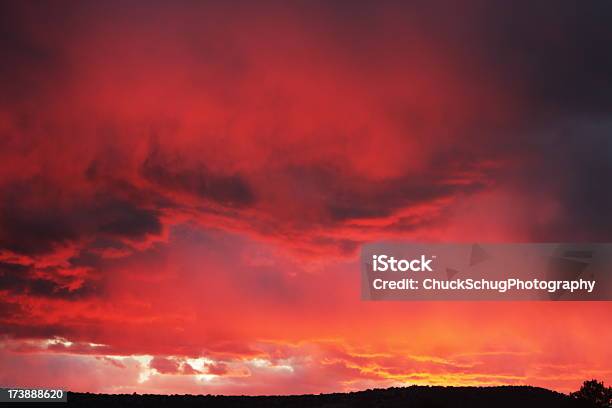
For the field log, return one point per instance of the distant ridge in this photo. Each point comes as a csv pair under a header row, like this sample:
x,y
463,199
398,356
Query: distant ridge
x,y
405,397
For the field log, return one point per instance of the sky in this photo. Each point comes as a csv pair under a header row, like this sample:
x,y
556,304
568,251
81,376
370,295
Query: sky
x,y
185,188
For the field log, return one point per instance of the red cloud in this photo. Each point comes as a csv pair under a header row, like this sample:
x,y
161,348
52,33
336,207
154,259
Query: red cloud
x,y
192,184
165,365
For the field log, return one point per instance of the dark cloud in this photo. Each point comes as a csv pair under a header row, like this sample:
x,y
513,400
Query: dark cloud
x,y
29,225
35,217
20,279
572,165
125,219
173,173
552,55
554,52
50,289
32,65
385,198
347,197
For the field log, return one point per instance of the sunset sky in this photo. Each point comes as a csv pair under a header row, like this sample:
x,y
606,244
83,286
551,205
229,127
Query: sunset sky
x,y
185,187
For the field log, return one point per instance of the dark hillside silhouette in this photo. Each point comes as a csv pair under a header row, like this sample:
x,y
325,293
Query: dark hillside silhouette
x,y
415,396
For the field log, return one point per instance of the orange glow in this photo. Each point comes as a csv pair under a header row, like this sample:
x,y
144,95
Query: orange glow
x,y
184,191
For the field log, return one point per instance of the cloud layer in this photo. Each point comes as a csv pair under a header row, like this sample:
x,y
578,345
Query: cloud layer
x,y
184,189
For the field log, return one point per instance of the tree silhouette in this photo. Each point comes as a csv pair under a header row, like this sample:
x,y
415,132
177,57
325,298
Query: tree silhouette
x,y
595,392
